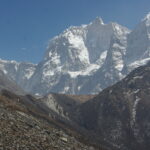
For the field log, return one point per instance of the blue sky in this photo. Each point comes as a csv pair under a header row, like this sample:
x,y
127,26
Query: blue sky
x,y
27,25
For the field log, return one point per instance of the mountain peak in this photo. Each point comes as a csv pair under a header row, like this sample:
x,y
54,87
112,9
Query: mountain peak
x,y
147,19
98,21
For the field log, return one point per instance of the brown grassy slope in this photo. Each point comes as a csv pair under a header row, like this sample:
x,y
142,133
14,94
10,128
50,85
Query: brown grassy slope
x,y
25,125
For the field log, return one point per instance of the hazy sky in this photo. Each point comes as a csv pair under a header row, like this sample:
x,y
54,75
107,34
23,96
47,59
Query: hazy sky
x,y
27,25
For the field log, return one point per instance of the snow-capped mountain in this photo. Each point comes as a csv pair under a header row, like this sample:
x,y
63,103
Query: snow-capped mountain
x,y
75,55
18,72
111,70
7,84
138,49
85,59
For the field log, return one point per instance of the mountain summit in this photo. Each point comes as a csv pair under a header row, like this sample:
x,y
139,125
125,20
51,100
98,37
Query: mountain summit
x,y
147,19
98,21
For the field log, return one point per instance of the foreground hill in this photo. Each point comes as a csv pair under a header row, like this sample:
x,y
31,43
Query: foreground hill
x,y
26,123
120,115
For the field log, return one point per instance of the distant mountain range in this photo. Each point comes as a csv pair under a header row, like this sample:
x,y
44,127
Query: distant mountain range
x,y
84,59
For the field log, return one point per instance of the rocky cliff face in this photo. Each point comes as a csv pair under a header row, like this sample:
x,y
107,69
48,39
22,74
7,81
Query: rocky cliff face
x,y
119,115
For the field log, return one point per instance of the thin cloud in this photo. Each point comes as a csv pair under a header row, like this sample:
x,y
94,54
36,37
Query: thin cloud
x,y
23,48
